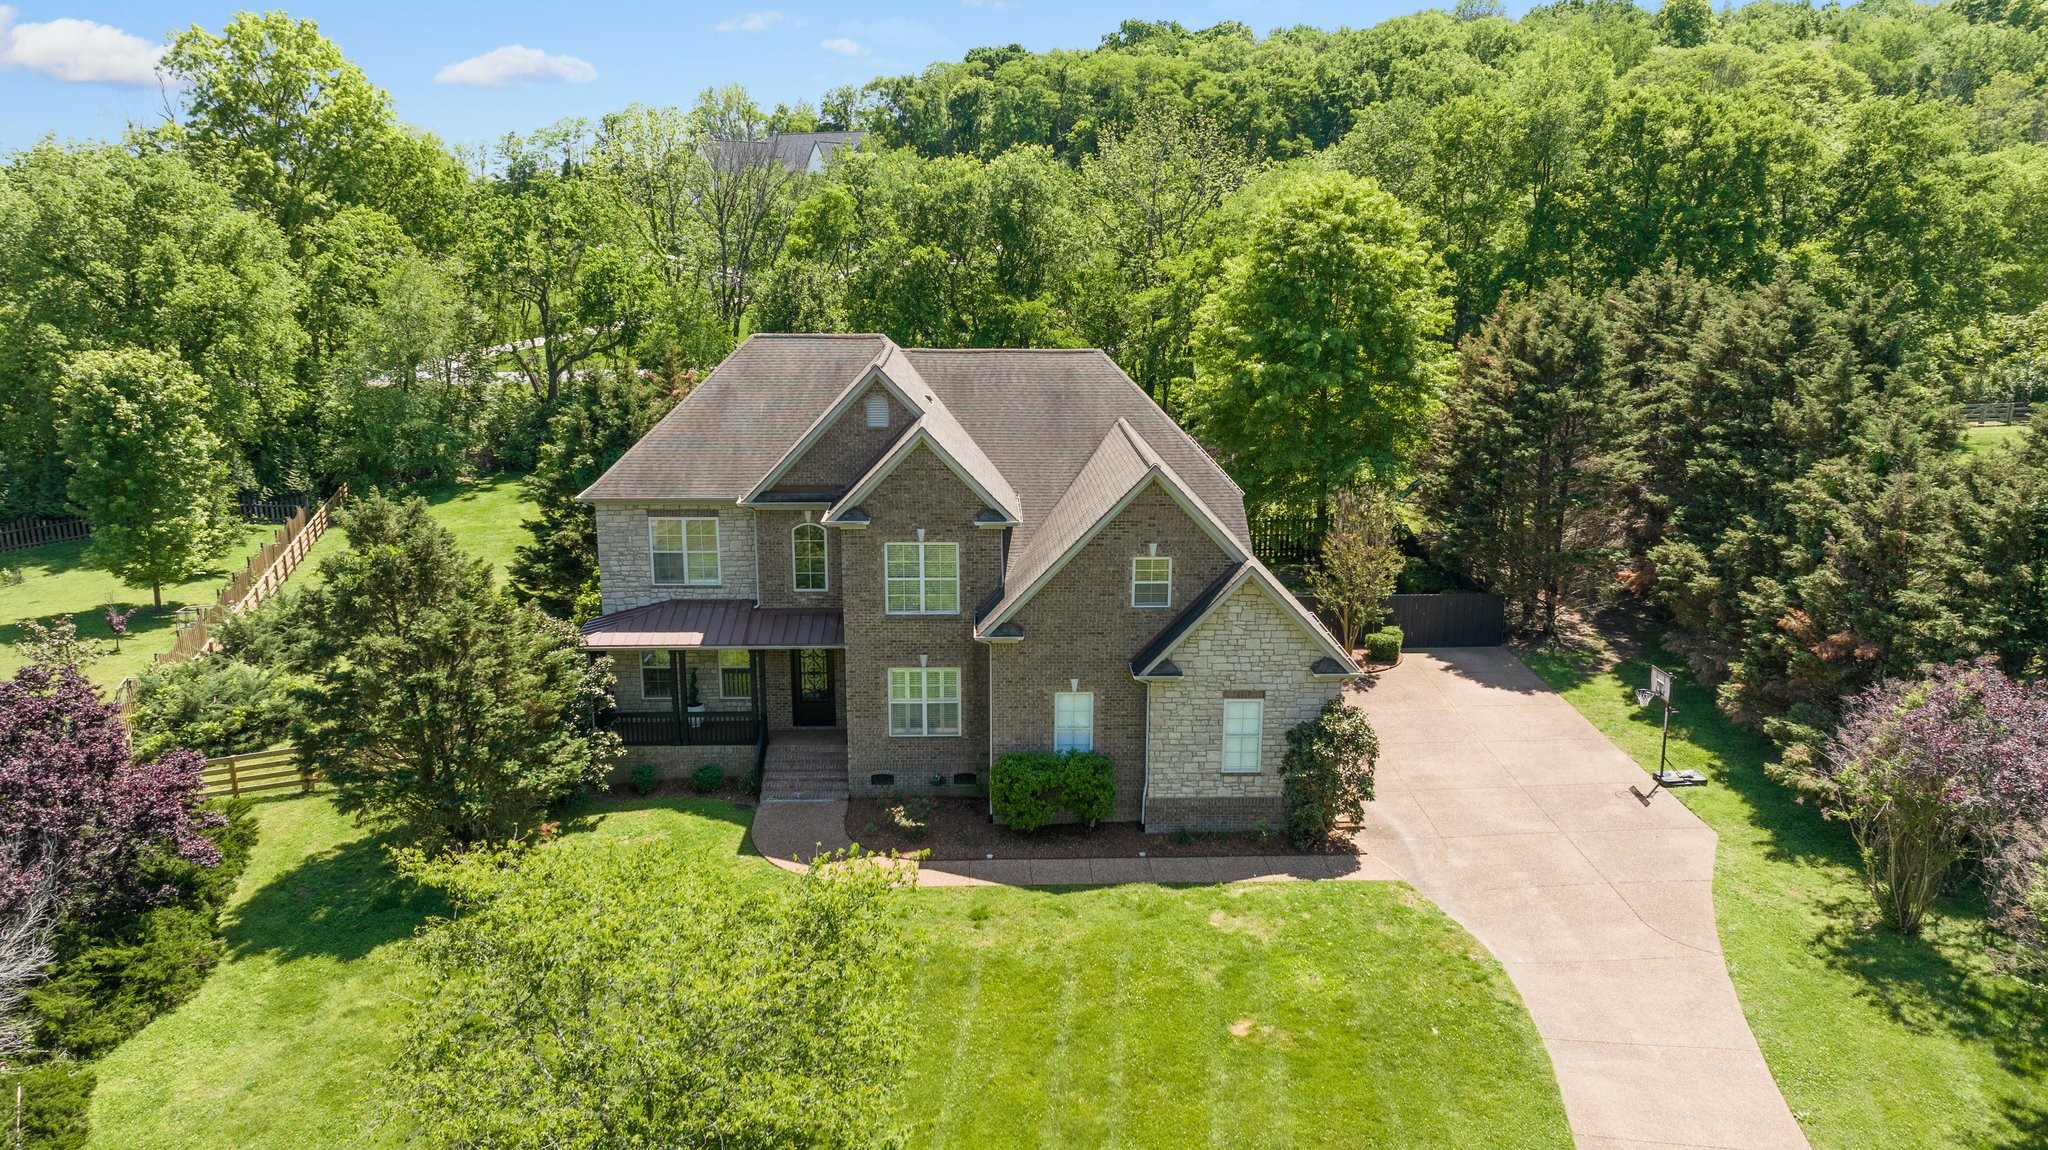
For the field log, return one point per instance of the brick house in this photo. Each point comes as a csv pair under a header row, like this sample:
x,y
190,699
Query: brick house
x,y
883,567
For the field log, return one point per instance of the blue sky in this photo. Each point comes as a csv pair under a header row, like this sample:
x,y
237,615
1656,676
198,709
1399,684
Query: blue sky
x,y
471,72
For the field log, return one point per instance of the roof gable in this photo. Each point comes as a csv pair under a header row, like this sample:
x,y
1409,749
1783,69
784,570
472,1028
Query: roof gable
x,y
903,386
1153,661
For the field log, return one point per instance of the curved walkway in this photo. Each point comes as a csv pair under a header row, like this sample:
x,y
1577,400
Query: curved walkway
x,y
1508,809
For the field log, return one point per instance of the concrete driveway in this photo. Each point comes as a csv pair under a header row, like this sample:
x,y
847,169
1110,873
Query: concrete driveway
x,y
1507,808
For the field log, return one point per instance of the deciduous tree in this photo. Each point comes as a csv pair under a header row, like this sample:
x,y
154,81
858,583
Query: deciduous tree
x,y
1319,356
146,470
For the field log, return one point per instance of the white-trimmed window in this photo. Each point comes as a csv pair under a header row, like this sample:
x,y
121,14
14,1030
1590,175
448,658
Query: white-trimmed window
x,y
924,701
1152,581
809,571
1243,720
735,675
685,550
657,675
878,410
1073,721
922,578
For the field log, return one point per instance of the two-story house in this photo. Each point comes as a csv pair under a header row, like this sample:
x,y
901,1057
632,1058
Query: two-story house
x,y
902,563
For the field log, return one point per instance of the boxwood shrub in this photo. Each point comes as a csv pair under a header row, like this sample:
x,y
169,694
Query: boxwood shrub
x,y
1027,788
1383,645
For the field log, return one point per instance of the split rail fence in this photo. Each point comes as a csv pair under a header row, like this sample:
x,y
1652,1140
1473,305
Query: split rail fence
x,y
266,571
257,772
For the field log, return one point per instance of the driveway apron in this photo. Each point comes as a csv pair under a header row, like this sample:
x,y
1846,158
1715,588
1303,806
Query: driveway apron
x,y
1508,809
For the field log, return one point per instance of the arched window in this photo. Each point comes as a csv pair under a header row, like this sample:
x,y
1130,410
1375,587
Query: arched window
x,y
807,556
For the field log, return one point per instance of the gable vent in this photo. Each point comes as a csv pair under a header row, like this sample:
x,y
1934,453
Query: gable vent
x,y
878,410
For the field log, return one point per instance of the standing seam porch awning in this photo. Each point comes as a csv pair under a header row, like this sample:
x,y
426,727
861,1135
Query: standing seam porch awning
x,y
717,623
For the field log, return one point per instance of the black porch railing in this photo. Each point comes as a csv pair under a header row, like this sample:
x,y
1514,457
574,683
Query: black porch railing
x,y
703,729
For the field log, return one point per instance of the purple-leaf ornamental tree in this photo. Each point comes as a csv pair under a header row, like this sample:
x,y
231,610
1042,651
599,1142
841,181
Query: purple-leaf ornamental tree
x,y
77,812
1927,771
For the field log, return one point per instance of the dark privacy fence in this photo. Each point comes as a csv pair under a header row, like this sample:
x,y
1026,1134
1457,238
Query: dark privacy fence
x,y
1459,619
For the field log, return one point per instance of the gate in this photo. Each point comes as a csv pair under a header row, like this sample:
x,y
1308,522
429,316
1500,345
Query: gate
x,y
1458,619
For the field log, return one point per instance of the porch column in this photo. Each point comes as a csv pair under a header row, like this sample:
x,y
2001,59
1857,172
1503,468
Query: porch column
x,y
757,668
680,678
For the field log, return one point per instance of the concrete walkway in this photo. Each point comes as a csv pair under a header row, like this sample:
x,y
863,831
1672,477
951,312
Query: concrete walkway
x,y
1508,809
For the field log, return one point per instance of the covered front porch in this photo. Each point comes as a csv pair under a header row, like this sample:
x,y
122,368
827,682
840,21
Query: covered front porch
x,y
720,672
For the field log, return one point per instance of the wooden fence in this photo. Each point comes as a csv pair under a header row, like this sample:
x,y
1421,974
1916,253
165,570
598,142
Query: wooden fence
x,y
256,772
24,533
1457,619
2004,411
1283,537
266,571
274,510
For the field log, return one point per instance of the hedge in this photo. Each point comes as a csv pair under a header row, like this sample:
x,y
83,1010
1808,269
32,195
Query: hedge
x,y
1027,788
1384,645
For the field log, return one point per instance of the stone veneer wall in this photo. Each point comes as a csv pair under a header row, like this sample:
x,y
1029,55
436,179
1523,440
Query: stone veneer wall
x,y
1248,644
1081,625
773,534
923,493
626,566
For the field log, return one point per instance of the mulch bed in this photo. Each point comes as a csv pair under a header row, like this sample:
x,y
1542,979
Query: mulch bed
x,y
960,829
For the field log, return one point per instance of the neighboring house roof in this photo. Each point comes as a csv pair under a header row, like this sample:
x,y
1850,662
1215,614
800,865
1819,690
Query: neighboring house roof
x,y
1152,661
796,151
714,623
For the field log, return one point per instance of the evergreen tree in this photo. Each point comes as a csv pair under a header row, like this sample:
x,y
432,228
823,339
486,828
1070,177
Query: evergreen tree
x,y
146,471
1527,456
557,572
436,703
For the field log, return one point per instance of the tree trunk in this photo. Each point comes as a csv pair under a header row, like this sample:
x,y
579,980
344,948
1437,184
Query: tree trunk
x,y
156,591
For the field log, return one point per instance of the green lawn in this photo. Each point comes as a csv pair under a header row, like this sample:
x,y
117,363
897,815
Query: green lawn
x,y
1302,1014
1984,437
57,582
1876,1040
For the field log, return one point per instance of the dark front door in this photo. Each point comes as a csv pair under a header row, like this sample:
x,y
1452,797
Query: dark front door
x,y
810,674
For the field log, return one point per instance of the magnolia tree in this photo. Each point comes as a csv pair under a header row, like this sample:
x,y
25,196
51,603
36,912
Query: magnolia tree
x,y
1928,771
79,814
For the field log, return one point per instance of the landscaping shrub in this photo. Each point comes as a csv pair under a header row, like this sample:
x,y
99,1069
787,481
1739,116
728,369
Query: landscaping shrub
x,y
1383,645
1027,788
643,778
114,974
1927,772
55,1109
1327,772
706,778
216,706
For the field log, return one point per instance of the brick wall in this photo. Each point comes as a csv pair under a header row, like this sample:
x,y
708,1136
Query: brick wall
x,y
678,762
1081,625
1247,644
847,448
921,493
625,564
778,576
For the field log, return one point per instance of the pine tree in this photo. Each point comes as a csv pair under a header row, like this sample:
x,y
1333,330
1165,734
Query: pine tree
x,y
557,572
1528,455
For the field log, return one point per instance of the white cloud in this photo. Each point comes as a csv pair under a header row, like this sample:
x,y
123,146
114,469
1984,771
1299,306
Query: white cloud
x,y
843,46
77,51
758,22
516,64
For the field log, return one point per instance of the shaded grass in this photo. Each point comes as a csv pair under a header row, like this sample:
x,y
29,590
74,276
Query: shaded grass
x,y
1363,1016
286,1043
57,582
1262,1014
1875,1039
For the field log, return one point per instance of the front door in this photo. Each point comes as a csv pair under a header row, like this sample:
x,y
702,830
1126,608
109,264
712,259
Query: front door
x,y
810,673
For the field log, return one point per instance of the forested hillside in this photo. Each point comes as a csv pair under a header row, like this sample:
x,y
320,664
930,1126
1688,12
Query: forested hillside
x,y
1679,302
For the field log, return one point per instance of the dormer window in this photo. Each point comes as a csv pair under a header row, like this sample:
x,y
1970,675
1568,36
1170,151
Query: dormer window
x,y
1152,581
878,410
